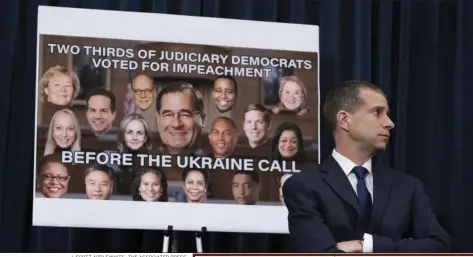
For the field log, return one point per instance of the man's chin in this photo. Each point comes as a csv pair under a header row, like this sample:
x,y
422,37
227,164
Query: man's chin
x,y
100,131
177,149
220,154
222,110
380,147
143,107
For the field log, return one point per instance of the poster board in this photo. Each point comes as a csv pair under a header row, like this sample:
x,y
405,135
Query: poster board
x,y
146,102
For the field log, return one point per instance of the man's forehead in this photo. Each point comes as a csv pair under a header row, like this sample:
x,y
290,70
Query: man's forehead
x,y
143,85
142,81
221,124
223,82
97,173
99,100
185,94
168,101
241,177
255,114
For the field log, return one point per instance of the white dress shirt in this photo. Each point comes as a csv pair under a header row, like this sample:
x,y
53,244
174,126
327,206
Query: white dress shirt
x,y
347,166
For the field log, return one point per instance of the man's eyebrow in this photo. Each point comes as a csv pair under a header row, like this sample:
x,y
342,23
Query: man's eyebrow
x,y
382,107
185,110
181,110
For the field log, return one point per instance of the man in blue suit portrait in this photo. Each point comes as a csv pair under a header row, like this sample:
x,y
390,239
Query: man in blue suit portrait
x,y
349,203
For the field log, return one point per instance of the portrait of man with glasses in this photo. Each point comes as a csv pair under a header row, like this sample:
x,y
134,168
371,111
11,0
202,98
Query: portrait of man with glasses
x,y
180,117
144,92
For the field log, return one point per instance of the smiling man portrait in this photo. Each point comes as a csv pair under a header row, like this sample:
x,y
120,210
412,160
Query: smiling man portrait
x,y
144,92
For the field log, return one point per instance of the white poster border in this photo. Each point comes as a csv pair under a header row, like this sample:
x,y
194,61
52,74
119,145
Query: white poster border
x,y
177,29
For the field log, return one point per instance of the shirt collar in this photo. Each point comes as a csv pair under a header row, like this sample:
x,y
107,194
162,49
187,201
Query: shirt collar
x,y
347,165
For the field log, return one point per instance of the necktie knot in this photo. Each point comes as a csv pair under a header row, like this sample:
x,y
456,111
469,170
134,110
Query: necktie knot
x,y
360,172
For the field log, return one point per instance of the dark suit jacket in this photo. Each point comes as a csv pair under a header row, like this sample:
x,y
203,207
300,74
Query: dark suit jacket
x,y
323,210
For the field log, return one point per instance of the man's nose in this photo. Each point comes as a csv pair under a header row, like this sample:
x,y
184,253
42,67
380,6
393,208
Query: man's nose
x,y
389,123
97,115
176,121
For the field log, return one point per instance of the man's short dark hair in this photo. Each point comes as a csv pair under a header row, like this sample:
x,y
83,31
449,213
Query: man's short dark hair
x,y
231,78
181,86
252,174
345,96
101,167
102,92
226,119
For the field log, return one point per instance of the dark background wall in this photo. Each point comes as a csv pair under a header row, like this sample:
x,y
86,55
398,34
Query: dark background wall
x,y
419,52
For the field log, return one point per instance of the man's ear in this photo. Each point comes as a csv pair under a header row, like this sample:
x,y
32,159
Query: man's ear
x,y
237,135
343,120
202,120
269,127
259,187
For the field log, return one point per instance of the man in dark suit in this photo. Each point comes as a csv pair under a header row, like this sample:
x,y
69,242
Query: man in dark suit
x,y
349,204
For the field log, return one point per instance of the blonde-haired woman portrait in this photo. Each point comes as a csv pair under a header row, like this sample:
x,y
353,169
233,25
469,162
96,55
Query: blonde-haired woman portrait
x,y
63,133
134,135
59,86
292,95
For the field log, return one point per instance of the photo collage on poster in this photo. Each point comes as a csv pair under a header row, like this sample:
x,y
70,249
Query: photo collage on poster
x,y
153,122
156,116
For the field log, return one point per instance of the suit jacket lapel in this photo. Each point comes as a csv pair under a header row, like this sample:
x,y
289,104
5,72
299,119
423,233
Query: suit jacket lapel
x,y
381,190
338,181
